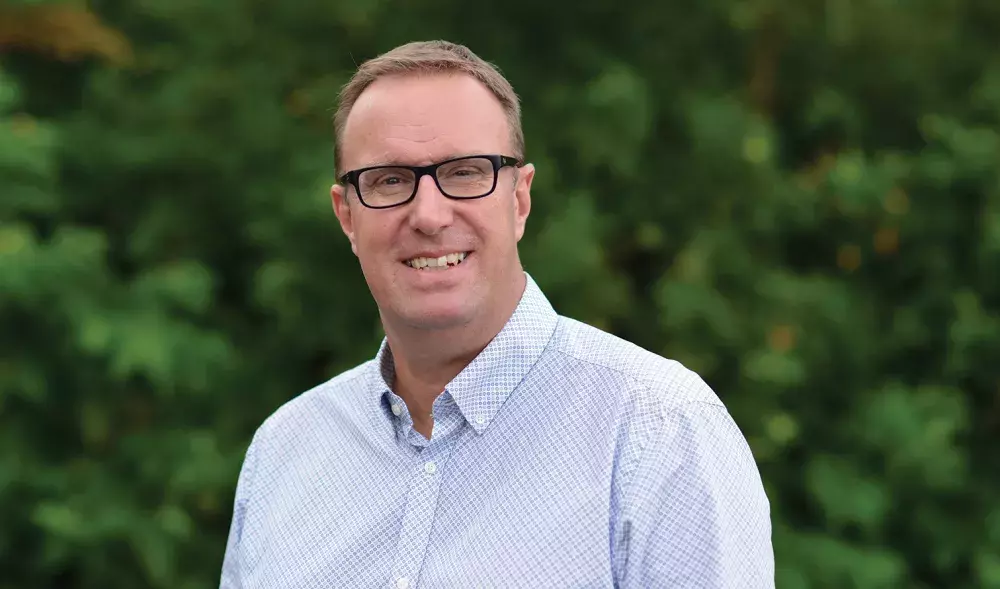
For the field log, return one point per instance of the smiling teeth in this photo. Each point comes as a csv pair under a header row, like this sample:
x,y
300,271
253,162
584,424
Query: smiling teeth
x,y
442,262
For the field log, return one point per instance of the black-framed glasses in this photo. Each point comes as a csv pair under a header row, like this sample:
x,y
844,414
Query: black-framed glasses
x,y
468,177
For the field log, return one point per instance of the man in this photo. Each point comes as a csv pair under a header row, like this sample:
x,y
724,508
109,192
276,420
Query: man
x,y
490,442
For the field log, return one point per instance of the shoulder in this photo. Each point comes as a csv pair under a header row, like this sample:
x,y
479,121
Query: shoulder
x,y
670,428
665,384
645,393
335,399
293,434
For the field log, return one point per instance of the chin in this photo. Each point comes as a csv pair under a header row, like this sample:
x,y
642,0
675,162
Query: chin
x,y
434,316
431,301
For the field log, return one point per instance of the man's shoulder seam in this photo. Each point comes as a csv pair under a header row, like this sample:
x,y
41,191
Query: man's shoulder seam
x,y
630,377
650,383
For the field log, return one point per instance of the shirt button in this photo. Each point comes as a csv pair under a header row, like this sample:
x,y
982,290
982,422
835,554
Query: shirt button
x,y
480,420
402,583
397,409
430,467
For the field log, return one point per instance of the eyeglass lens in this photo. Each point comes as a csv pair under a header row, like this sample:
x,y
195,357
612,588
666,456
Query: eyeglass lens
x,y
465,178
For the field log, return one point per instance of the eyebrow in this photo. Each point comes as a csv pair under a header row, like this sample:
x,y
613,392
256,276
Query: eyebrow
x,y
386,161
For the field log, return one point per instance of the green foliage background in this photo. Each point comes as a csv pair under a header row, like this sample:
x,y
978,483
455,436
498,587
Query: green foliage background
x,y
799,200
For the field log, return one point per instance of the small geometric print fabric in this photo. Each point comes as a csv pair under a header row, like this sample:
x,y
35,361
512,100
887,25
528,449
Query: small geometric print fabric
x,y
562,456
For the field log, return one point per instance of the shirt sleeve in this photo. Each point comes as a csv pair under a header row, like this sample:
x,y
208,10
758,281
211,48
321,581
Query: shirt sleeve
x,y
695,512
232,563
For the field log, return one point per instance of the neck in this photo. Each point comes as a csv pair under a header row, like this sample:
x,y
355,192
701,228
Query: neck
x,y
427,360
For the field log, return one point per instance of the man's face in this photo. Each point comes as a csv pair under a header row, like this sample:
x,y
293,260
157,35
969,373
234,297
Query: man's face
x,y
420,120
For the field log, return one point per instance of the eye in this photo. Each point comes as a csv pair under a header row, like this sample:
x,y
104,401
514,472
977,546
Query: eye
x,y
464,173
385,179
388,180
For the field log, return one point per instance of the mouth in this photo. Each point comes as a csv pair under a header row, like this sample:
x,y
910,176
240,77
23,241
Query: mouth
x,y
437,264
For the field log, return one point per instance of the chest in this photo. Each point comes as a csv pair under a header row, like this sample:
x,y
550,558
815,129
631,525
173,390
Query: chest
x,y
506,509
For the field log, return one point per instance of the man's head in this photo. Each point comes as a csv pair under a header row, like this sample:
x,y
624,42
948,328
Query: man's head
x,y
418,105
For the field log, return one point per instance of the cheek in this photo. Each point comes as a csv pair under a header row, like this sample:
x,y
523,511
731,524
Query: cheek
x,y
373,241
374,232
496,226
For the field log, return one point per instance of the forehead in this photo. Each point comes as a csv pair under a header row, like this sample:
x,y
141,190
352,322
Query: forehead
x,y
418,119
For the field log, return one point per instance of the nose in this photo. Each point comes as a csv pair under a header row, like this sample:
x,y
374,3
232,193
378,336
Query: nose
x,y
430,211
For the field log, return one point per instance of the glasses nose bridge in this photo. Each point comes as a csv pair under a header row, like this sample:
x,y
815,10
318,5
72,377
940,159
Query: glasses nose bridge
x,y
430,170
430,212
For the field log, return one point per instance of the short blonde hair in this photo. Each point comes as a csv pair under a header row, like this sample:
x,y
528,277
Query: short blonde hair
x,y
428,57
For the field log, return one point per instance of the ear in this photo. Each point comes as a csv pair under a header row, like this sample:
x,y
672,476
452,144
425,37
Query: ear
x,y
342,209
522,198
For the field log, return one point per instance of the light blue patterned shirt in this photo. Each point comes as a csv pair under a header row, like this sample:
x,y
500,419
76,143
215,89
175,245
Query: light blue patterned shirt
x,y
562,456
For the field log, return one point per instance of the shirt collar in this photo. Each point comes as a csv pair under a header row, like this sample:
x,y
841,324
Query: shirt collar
x,y
484,385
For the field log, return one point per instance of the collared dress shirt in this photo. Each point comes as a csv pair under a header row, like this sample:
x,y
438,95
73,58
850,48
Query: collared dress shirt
x,y
562,456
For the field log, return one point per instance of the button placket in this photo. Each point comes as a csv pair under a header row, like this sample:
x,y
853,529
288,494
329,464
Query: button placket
x,y
418,519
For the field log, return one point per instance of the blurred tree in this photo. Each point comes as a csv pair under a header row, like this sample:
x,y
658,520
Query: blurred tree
x,y
59,30
800,201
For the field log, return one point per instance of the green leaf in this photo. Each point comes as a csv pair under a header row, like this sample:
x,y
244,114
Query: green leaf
x,y
988,569
188,285
846,495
